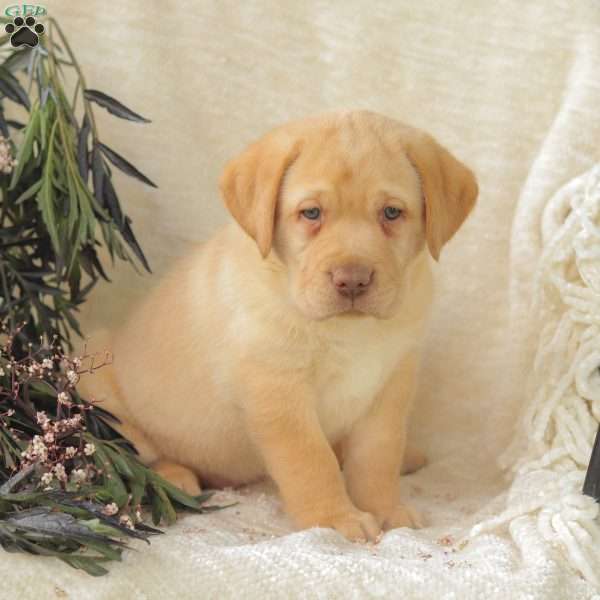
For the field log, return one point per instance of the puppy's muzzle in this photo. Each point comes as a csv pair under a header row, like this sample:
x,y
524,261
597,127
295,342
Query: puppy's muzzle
x,y
351,280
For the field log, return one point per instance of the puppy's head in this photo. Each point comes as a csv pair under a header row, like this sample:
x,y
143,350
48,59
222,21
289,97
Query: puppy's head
x,y
347,202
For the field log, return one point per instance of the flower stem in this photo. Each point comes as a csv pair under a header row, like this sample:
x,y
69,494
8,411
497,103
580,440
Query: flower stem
x,y
86,102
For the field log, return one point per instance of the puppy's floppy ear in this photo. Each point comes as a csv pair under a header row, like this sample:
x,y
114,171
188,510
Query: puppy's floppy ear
x,y
250,184
449,187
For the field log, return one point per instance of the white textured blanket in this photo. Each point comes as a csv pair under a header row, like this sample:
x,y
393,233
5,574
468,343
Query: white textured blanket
x,y
513,88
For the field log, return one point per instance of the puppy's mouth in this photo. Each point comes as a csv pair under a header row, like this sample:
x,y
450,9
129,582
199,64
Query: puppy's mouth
x,y
352,313
352,308
358,308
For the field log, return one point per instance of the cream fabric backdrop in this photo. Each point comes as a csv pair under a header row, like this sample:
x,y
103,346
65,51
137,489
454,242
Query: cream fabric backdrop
x,y
512,89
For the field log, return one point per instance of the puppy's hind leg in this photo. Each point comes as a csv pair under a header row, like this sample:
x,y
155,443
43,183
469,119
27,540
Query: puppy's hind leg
x,y
414,459
104,388
182,477
174,473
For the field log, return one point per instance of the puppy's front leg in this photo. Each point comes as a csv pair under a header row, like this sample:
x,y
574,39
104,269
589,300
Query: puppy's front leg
x,y
282,420
374,450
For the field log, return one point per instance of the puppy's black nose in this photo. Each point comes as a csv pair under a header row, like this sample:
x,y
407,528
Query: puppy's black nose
x,y
351,280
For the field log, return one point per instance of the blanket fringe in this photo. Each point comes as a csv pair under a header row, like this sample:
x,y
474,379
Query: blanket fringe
x,y
562,418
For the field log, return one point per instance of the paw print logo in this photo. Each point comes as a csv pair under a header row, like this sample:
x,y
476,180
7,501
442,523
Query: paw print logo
x,y
25,32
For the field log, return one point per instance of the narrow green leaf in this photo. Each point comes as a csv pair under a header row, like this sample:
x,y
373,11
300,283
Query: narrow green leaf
x,y
40,287
72,321
124,165
166,508
14,124
26,147
3,124
112,481
73,212
98,175
82,149
132,242
156,509
113,106
66,107
87,207
46,195
75,281
45,117
174,492
81,235
42,386
44,97
18,60
87,564
29,192
138,491
119,462
10,87
101,527
105,550
91,262
112,203
109,239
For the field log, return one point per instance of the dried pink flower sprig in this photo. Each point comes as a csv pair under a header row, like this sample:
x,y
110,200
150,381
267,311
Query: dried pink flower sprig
x,y
60,463
59,450
7,160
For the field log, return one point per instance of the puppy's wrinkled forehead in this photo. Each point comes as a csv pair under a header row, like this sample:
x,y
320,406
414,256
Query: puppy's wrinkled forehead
x,y
354,157
358,158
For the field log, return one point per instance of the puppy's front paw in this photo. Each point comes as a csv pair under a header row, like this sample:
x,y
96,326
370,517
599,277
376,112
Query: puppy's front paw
x,y
357,526
353,524
403,516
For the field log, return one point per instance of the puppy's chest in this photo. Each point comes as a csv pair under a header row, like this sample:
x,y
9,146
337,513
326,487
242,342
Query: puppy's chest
x,y
348,374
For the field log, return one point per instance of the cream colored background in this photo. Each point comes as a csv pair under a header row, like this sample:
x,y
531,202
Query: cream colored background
x,y
214,75
511,87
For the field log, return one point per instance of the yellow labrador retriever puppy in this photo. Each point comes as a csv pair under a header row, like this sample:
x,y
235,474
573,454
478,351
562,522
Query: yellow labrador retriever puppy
x,y
288,344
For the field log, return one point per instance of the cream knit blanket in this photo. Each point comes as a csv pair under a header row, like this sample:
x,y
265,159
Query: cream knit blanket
x,y
513,88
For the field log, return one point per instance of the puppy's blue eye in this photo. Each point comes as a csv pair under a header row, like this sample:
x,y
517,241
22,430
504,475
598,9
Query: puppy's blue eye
x,y
311,213
391,213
